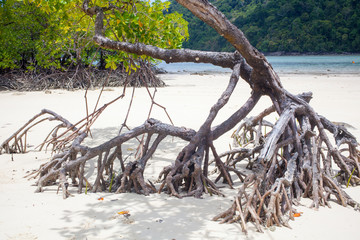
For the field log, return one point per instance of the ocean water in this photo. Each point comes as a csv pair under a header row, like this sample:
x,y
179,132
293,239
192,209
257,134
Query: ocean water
x,y
329,64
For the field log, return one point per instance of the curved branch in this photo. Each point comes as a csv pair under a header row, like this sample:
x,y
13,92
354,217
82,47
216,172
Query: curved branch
x,y
222,59
209,14
151,125
264,77
226,60
224,98
236,117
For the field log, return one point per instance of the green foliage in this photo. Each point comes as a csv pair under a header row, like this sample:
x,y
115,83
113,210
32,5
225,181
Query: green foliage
x,y
283,25
144,22
58,34
19,32
43,34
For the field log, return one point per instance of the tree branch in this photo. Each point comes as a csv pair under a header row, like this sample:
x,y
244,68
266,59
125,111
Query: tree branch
x,y
231,122
226,60
222,59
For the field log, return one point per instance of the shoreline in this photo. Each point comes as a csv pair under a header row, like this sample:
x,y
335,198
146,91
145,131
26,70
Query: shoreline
x,y
197,73
206,72
299,64
187,98
280,53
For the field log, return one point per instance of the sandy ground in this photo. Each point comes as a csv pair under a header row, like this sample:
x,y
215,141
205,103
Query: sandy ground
x,y
188,98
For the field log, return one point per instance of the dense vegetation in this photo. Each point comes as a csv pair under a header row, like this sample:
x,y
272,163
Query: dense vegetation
x,y
282,25
38,34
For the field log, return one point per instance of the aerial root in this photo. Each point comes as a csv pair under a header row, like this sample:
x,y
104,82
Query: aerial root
x,y
133,178
289,162
186,177
285,161
273,207
16,143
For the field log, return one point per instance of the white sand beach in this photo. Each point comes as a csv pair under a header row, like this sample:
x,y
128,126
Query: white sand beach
x,y
187,98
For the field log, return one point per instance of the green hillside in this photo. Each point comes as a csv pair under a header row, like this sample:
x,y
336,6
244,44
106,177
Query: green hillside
x,y
282,25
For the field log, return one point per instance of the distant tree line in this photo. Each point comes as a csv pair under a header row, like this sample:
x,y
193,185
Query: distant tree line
x,y
282,25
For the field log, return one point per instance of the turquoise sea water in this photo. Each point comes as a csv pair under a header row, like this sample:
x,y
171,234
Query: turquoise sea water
x,y
330,64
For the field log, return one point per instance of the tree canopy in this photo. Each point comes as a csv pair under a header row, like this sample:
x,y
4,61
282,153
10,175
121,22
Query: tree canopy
x,y
57,34
282,25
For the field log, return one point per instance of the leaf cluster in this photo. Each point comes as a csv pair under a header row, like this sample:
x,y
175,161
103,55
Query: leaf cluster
x,y
144,22
57,34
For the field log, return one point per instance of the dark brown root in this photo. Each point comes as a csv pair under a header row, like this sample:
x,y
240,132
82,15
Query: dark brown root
x,y
78,78
285,161
295,161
